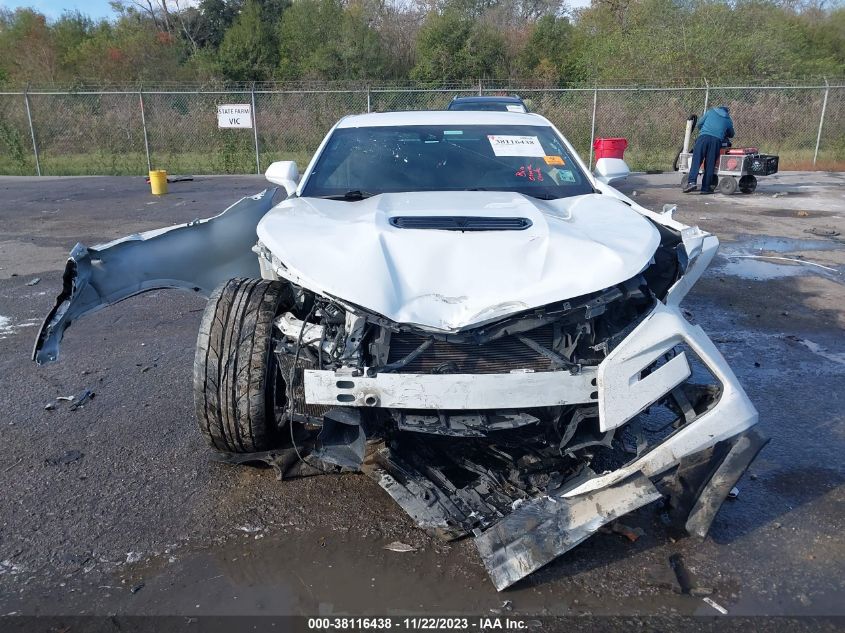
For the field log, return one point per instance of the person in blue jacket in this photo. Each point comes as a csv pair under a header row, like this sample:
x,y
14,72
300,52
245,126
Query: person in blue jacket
x,y
715,126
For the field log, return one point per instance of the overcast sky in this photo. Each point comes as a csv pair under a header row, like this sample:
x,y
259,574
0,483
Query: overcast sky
x,y
102,9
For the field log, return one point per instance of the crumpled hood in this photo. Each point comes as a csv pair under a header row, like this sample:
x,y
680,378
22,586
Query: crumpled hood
x,y
451,280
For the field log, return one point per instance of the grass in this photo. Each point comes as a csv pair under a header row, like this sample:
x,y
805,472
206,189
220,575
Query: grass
x,y
135,164
243,162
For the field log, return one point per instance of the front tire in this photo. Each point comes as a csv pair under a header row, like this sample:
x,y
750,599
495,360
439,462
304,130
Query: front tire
x,y
235,371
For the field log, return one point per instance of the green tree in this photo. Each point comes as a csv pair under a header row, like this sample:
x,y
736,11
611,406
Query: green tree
x,y
323,40
249,48
27,50
549,54
452,46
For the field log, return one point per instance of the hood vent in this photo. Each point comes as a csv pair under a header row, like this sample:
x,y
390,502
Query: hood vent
x,y
459,223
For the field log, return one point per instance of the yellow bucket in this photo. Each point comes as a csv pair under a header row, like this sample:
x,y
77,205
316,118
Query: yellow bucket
x,y
158,181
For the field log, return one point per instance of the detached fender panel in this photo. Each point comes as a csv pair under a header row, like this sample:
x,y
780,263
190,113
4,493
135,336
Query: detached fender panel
x,y
198,256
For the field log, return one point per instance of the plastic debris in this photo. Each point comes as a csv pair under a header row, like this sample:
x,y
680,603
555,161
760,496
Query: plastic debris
x,y
49,406
734,493
66,458
632,534
822,232
33,281
137,588
398,546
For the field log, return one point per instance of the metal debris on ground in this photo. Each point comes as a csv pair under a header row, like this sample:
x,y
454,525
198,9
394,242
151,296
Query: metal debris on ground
x,y
65,398
734,493
133,557
398,546
137,588
716,605
81,399
49,406
33,281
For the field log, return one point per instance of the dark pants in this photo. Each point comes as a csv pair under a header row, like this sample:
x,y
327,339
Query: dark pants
x,y
706,149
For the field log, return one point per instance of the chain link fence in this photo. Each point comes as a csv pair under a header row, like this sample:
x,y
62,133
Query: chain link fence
x,y
51,132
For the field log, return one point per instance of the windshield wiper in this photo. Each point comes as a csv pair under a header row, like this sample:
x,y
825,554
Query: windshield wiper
x,y
353,195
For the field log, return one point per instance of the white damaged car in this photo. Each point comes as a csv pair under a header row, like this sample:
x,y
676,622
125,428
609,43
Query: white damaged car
x,y
451,303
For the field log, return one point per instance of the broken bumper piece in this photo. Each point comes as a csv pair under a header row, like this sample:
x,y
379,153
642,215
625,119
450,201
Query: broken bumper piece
x,y
540,530
197,256
517,534
518,494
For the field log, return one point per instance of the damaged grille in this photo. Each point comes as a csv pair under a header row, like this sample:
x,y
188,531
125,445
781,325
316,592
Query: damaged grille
x,y
301,408
496,357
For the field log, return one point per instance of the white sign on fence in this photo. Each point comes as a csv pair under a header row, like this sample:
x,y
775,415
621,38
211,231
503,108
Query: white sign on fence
x,y
234,115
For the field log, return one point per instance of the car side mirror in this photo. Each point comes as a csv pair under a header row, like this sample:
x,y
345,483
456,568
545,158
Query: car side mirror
x,y
609,170
284,173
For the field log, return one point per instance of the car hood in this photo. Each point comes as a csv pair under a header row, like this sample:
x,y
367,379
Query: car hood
x,y
451,280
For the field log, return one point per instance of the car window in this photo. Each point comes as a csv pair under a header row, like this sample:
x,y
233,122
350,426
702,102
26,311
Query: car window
x,y
519,158
488,106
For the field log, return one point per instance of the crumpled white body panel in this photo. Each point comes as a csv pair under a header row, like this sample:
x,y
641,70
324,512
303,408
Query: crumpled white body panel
x,y
451,280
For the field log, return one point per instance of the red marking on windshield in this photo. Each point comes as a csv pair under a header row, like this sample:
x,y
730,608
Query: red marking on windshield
x,y
530,172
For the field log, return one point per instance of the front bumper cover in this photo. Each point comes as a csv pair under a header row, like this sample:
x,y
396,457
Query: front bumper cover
x,y
701,460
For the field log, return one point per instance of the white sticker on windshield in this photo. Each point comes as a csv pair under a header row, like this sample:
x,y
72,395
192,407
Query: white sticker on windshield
x,y
516,145
515,108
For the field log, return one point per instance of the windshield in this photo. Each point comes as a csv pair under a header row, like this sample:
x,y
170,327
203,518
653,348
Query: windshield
x,y
360,162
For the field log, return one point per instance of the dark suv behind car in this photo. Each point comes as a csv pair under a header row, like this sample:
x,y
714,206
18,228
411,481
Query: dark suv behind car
x,y
496,104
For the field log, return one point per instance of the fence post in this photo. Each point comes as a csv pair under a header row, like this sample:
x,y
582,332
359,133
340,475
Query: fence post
x,y
144,127
255,129
32,131
480,89
369,102
706,94
821,120
593,126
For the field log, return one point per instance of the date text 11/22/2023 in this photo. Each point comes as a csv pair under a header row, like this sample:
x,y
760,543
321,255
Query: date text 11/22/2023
x,y
418,623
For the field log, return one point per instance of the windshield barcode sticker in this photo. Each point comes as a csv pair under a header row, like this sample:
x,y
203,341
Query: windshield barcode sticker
x,y
516,146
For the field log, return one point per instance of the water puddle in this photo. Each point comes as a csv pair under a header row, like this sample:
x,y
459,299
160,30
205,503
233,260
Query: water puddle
x,y
834,357
329,573
759,269
771,244
764,257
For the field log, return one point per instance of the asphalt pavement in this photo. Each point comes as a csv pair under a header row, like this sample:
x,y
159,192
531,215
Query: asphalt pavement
x,y
116,507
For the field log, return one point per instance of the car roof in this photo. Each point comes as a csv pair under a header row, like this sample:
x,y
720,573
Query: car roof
x,y
500,99
441,117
